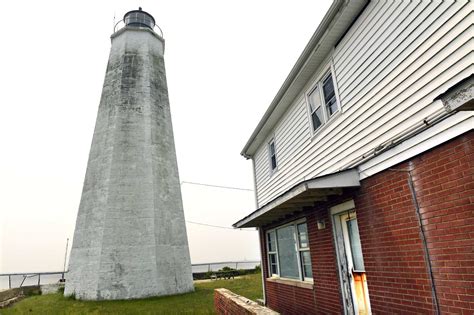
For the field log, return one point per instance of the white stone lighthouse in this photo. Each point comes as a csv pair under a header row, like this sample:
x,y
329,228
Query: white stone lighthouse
x,y
130,238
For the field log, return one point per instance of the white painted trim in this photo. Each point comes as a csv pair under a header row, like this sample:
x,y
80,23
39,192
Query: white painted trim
x,y
445,130
342,207
271,253
336,86
347,178
298,250
327,70
264,293
343,217
338,259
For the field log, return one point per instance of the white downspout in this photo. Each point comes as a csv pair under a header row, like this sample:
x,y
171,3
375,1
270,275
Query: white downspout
x,y
259,236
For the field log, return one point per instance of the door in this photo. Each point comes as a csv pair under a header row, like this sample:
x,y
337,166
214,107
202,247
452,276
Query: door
x,y
351,263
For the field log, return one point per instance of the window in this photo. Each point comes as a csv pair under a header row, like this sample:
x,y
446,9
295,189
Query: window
x,y
272,254
354,241
303,248
272,151
288,252
322,101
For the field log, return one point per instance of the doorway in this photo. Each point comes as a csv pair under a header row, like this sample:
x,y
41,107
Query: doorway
x,y
350,259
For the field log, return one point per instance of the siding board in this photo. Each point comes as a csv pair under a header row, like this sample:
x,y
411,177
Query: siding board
x,y
393,27
397,54
363,29
360,22
361,46
312,166
400,34
389,67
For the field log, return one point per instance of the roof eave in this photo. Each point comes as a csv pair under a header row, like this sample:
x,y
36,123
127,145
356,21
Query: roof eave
x,y
310,49
326,184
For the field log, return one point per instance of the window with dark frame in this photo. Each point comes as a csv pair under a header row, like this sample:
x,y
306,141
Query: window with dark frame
x,y
288,252
272,150
329,95
322,101
317,117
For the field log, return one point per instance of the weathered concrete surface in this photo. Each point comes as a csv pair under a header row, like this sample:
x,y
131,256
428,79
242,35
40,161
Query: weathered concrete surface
x,y
51,288
227,302
11,296
130,239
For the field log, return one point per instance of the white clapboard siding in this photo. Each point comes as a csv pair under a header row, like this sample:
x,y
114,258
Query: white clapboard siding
x,y
396,58
294,133
387,33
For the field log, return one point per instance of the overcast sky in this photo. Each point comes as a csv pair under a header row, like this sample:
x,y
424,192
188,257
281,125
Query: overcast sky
x,y
225,61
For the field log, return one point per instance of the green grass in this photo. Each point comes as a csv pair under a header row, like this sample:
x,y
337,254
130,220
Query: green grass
x,y
199,302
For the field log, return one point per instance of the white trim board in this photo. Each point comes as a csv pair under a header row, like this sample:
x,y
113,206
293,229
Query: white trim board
x,y
442,132
345,206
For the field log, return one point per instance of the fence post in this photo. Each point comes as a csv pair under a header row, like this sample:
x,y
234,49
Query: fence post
x,y
9,281
39,279
236,265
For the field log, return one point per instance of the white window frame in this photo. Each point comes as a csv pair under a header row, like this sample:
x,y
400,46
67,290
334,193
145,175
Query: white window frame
x,y
298,250
272,141
301,250
275,252
319,85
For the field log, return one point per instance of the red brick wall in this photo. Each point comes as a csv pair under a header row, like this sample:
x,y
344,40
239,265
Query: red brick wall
x,y
444,181
323,259
324,298
397,276
397,273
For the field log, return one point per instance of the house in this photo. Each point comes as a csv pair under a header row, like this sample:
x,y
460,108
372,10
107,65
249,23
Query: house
x,y
364,165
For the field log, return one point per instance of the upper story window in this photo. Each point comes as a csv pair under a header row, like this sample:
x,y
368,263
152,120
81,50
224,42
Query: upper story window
x,y
288,252
322,101
272,153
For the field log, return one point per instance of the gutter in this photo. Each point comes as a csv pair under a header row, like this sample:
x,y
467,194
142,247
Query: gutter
x,y
310,47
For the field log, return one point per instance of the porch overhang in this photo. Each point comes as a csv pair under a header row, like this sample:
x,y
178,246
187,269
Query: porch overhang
x,y
304,194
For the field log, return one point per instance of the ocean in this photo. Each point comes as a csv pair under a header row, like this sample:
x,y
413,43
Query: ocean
x,y
47,279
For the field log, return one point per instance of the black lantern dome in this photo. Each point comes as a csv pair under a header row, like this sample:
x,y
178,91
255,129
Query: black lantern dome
x,y
139,18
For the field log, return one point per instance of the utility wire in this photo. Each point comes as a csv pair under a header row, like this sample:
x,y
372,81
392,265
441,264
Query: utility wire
x,y
218,226
217,186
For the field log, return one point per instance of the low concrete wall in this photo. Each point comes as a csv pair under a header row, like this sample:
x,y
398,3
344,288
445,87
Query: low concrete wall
x,y
228,303
11,296
51,288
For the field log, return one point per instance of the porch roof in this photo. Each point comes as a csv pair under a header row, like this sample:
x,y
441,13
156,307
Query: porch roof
x,y
304,194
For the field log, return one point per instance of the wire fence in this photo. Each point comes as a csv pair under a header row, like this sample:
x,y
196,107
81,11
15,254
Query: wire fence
x,y
17,280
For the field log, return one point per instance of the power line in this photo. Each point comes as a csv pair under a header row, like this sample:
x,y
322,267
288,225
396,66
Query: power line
x,y
218,226
217,186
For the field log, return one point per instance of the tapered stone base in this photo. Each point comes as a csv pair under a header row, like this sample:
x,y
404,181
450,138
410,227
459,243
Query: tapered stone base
x,y
130,239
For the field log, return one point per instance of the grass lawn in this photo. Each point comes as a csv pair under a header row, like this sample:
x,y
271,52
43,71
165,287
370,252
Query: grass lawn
x,y
199,302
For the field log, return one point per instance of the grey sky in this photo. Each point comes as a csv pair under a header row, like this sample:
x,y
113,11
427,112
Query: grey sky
x,y
225,61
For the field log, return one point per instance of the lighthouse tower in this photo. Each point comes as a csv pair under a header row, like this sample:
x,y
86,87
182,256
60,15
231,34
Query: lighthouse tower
x,y
130,238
